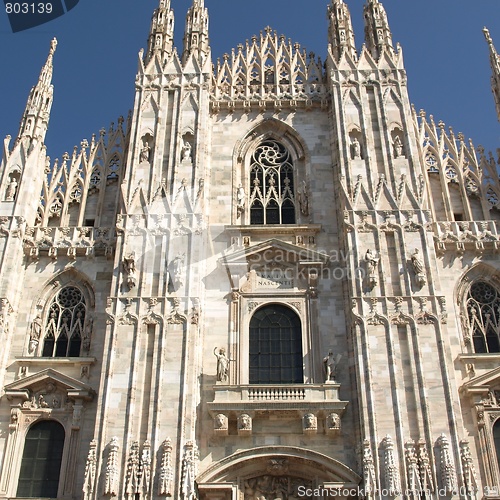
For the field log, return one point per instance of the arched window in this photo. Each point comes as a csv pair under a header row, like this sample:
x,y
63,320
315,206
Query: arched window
x,y
272,199
483,312
41,463
275,346
65,323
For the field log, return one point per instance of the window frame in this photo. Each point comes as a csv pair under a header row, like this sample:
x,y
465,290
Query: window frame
x,y
240,349
295,337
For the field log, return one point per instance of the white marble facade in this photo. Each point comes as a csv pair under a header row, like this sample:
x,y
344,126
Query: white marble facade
x,y
306,187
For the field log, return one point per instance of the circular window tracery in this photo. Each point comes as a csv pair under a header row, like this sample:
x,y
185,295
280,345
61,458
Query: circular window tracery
x,y
272,198
65,324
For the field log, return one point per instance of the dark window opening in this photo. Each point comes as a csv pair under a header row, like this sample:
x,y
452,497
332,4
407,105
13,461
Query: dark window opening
x,y
41,462
275,346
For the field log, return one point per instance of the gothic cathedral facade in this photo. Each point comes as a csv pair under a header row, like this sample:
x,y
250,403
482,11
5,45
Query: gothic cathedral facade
x,y
275,279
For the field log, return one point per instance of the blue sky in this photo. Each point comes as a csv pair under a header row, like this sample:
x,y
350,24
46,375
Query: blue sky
x,y
445,54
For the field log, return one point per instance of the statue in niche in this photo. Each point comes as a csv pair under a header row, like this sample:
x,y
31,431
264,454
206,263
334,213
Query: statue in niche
x,y
35,333
186,151
87,333
177,269
356,149
398,147
145,151
240,199
11,189
418,266
371,261
222,364
129,269
330,364
303,199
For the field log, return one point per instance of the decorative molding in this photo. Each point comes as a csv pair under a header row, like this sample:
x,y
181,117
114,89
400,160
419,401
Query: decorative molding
x,y
189,471
111,478
446,466
391,470
166,477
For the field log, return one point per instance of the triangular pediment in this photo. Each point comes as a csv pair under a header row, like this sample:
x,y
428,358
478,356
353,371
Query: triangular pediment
x,y
480,386
288,253
35,383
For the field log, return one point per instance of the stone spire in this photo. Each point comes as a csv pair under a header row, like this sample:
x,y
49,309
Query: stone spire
x,y
340,32
495,68
35,118
378,35
161,34
196,33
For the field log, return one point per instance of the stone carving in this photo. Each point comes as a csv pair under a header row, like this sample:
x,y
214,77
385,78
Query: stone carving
x,y
446,466
129,270
90,471
222,364
240,200
145,469
333,423
11,192
186,152
418,267
189,471
35,333
424,466
369,477
145,151
469,471
177,266
412,471
356,149
112,469
271,487
309,423
303,199
398,147
330,363
371,262
391,470
132,480
166,470
220,424
244,424
87,333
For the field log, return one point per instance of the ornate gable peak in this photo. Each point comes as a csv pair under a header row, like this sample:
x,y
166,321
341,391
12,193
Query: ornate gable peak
x,y
21,388
269,66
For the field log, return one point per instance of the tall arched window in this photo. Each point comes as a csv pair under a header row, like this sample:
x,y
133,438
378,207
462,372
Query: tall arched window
x,y
41,463
483,312
65,323
272,199
275,346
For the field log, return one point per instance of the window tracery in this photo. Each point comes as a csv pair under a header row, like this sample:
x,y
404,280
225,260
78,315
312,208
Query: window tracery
x,y
64,328
272,199
483,313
